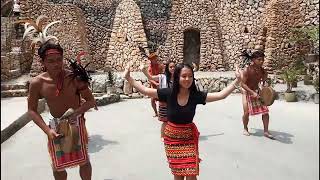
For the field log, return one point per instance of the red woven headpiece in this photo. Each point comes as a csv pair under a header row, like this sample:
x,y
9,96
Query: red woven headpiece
x,y
52,51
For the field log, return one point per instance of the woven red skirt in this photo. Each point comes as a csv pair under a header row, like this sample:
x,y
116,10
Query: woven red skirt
x,y
255,106
78,155
181,146
163,111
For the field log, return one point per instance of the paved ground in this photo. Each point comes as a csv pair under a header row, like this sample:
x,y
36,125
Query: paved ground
x,y
125,144
12,109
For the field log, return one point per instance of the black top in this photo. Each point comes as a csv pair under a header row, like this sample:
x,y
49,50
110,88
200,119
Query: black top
x,y
181,114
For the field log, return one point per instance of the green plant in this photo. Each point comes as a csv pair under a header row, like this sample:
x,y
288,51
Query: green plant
x,y
309,34
271,81
316,84
289,75
298,65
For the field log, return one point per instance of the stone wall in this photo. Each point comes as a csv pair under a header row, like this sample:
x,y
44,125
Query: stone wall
x,y
212,82
282,17
241,27
226,27
98,16
14,59
205,81
201,17
5,34
71,32
155,15
127,34
310,9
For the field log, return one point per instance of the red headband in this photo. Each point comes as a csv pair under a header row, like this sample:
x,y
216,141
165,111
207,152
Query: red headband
x,y
52,51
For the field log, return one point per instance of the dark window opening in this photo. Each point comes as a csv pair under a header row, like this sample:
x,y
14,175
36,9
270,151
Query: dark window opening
x,y
191,47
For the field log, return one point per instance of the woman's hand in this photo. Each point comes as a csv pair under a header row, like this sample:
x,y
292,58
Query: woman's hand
x,y
238,73
126,72
143,66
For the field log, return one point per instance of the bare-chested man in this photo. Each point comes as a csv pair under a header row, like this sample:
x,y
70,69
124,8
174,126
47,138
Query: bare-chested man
x,y
254,74
61,91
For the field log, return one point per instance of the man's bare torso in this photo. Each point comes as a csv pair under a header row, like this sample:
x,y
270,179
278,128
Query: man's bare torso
x,y
67,98
254,77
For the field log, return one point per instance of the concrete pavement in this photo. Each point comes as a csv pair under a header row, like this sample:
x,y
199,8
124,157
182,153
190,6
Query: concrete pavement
x,y
14,115
125,144
12,109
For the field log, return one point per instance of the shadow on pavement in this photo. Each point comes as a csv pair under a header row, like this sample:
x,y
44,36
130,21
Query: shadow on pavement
x,y
278,136
96,143
206,137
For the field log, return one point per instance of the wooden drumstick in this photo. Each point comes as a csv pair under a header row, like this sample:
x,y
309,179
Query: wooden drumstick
x,y
68,113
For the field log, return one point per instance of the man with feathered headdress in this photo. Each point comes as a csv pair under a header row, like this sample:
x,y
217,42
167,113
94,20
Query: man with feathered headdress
x,y
63,90
253,75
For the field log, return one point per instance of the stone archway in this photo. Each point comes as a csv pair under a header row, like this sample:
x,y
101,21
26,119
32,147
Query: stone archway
x,y
191,46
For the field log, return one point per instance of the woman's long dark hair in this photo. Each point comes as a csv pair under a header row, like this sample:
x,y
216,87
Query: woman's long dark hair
x,y
176,78
167,73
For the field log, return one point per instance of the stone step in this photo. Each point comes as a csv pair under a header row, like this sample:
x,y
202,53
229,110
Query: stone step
x,y
5,87
15,73
107,99
98,94
14,93
4,58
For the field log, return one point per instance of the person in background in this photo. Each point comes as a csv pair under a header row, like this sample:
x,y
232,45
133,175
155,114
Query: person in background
x,y
165,81
154,69
253,75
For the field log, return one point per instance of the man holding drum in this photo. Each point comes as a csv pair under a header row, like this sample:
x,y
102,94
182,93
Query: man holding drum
x,y
253,75
63,91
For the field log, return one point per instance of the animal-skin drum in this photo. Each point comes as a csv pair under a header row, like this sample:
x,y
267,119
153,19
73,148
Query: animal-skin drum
x,y
268,95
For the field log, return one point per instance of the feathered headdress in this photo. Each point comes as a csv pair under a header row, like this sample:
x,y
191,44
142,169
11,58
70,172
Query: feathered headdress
x,y
78,71
36,30
247,56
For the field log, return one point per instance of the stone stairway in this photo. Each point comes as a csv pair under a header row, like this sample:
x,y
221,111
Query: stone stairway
x,y
11,54
15,88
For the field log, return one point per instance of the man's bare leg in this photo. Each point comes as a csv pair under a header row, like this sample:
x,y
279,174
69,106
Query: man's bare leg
x,y
265,120
86,171
60,175
245,116
154,107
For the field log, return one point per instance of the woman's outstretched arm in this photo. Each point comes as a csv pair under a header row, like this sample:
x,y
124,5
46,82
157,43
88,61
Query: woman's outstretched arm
x,y
139,87
226,91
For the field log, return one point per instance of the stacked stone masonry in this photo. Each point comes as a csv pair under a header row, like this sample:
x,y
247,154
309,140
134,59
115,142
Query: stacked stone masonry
x,y
225,27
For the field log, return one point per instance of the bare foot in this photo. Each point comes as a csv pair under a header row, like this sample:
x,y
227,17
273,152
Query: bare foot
x,y
246,133
268,135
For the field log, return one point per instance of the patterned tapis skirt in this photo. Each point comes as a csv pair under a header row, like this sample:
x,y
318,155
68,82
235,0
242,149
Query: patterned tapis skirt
x,y
69,151
255,106
163,111
181,146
